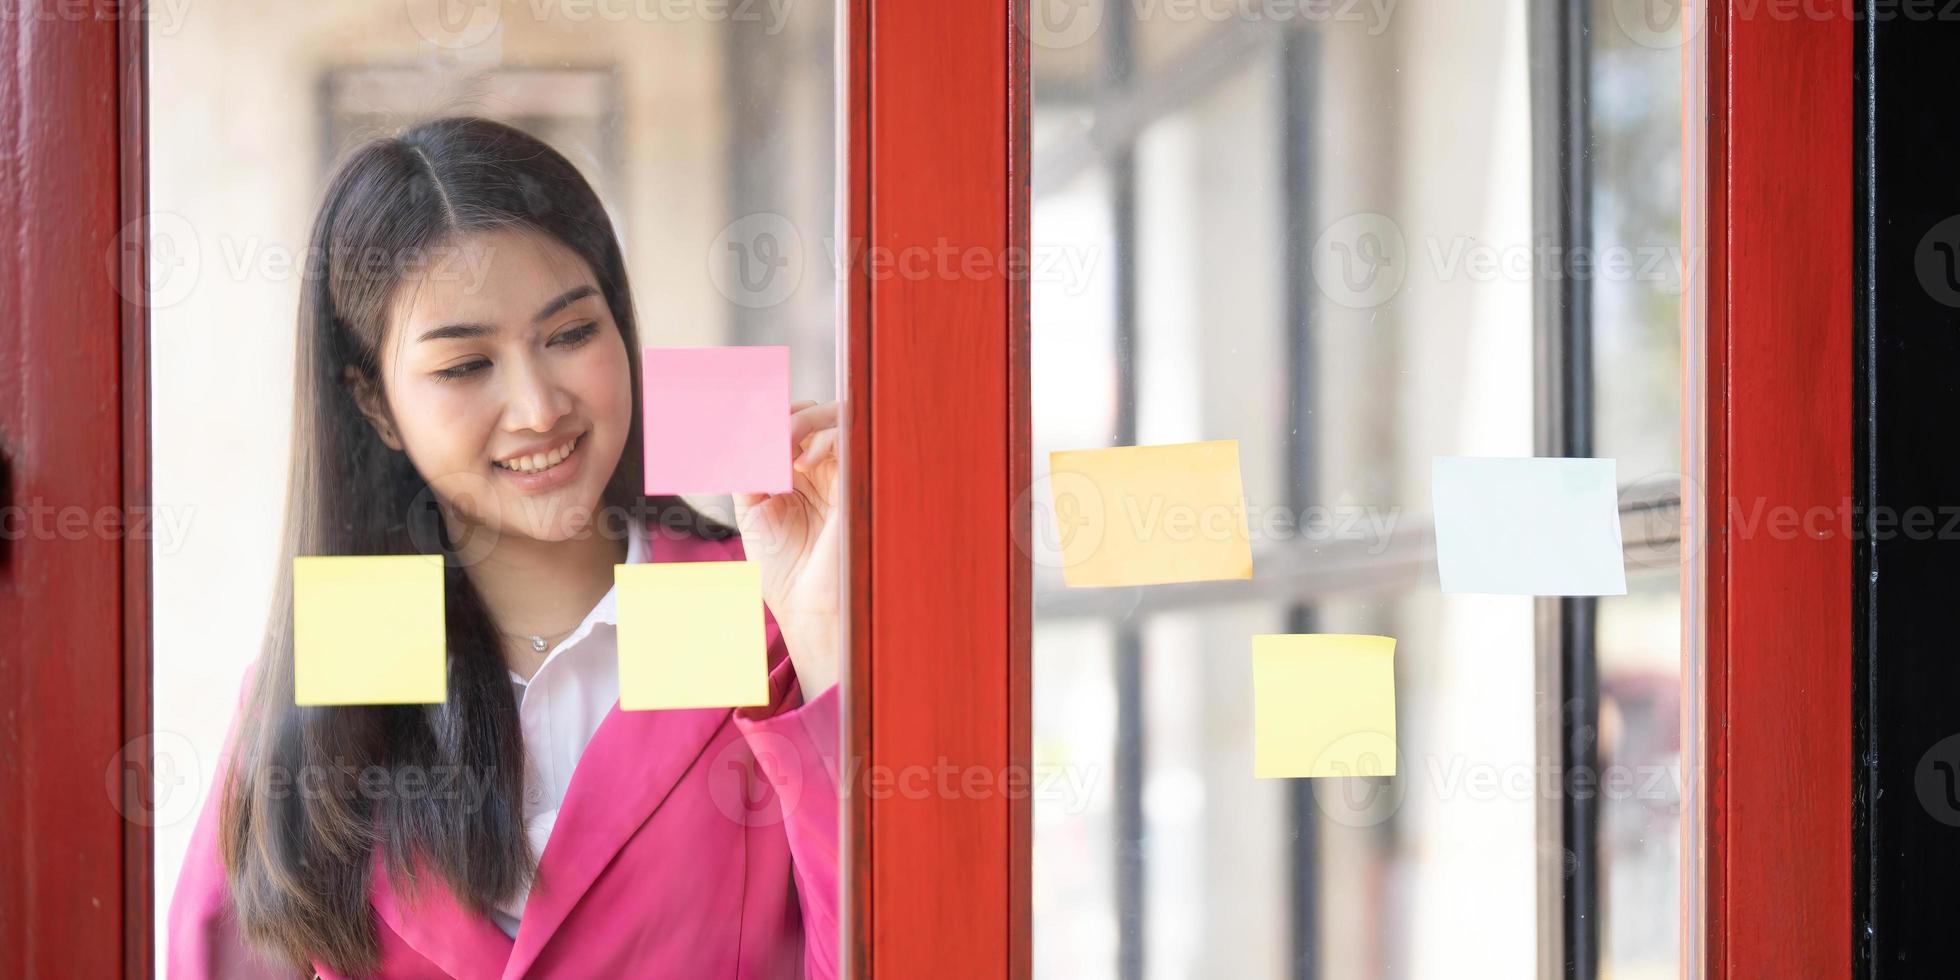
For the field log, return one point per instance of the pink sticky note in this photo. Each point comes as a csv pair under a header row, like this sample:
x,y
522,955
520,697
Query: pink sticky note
x,y
717,419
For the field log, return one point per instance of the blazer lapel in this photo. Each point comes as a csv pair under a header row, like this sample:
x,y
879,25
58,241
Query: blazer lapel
x,y
436,926
632,763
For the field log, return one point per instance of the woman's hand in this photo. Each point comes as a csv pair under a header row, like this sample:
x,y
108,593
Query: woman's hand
x,y
794,536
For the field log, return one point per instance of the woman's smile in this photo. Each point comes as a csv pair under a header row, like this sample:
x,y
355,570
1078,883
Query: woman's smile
x,y
537,470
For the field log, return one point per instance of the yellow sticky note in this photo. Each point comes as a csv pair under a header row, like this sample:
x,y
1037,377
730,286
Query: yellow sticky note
x,y
1323,705
369,630
690,635
1150,515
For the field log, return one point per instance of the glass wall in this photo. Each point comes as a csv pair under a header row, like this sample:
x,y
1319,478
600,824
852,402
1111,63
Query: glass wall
x,y
704,128
1310,228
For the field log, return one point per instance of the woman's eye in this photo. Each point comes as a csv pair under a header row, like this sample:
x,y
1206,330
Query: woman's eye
x,y
576,335
460,371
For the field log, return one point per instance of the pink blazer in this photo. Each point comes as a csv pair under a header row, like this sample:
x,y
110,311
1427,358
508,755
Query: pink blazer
x,y
696,843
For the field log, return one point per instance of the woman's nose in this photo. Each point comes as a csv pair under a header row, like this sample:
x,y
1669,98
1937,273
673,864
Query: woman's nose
x,y
533,399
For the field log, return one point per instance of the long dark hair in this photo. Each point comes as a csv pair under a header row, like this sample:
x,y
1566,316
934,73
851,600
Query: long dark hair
x,y
300,862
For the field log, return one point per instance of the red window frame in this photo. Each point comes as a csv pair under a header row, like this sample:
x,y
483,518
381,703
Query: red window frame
x,y
938,440
1776,729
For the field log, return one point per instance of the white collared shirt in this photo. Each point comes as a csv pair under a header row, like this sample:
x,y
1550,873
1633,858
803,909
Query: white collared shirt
x,y
559,710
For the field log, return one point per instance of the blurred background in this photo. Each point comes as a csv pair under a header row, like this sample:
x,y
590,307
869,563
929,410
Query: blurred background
x,y
1309,227
690,119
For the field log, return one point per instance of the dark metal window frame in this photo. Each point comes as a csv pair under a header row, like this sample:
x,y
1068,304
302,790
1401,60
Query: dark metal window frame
x,y
1906,300
1126,103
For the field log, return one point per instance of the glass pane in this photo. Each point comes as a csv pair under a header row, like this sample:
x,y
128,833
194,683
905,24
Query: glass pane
x,y
707,134
1312,231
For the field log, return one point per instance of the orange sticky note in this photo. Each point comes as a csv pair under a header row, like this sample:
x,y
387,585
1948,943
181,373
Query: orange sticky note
x,y
369,630
1323,704
1150,515
690,635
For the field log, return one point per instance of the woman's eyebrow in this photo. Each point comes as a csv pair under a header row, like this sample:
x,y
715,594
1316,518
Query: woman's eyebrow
x,y
464,331
457,331
569,297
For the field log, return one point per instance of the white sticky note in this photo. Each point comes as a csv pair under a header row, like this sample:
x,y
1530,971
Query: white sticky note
x,y
1548,527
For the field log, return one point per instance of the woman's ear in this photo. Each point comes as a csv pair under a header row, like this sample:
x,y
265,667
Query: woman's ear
x,y
367,395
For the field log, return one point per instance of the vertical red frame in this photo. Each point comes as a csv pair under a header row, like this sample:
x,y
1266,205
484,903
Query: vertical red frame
x,y
937,157
1777,735
74,622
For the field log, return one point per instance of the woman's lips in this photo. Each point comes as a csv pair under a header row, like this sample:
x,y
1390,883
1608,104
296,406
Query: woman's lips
x,y
551,474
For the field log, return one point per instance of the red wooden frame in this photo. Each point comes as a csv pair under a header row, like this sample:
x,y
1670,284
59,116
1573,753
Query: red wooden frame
x,y
941,596
1777,735
65,409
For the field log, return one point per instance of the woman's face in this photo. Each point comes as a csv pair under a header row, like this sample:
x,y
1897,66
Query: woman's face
x,y
508,384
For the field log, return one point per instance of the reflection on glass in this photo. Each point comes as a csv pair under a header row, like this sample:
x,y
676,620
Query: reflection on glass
x,y
1314,234
706,140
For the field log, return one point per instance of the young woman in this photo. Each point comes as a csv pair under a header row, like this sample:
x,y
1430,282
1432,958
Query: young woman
x,y
467,386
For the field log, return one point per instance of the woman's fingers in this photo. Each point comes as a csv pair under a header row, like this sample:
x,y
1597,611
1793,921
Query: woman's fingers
x,y
820,445
810,419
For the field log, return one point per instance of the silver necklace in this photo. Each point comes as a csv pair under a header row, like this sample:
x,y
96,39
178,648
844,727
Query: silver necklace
x,y
538,641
